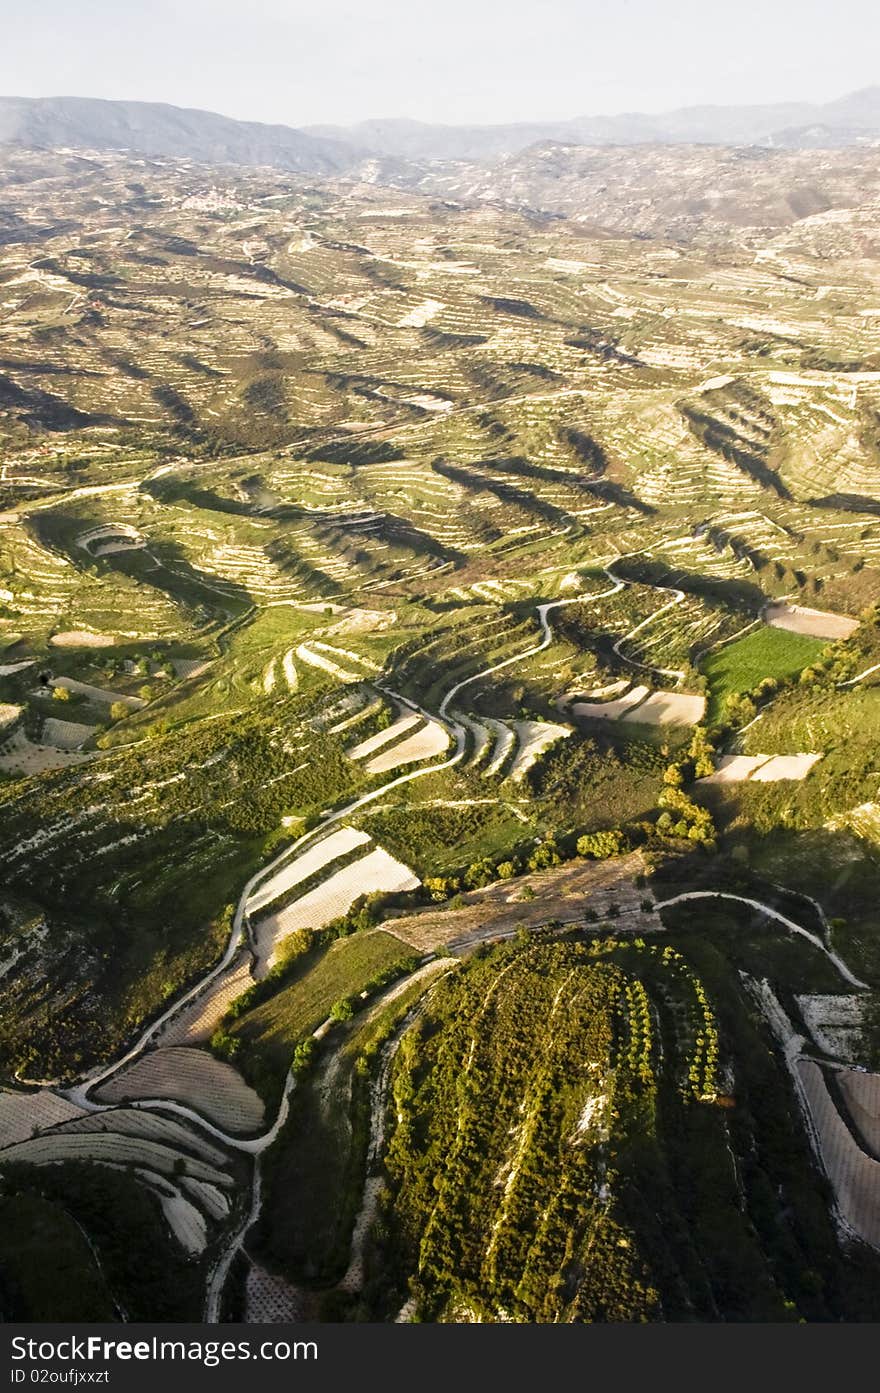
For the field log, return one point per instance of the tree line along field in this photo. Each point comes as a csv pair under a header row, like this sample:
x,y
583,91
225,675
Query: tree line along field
x,y
322,520
739,666
539,1090
268,1032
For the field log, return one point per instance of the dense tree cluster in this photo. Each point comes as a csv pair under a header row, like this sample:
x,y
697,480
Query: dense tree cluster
x,y
506,1097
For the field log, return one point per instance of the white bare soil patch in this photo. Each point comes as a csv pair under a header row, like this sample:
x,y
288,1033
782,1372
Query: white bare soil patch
x,y
384,737
763,769
854,1176
429,402
610,710
23,1114
504,738
816,623
713,383
425,743
66,735
19,756
785,767
572,581
376,872
69,684
295,872
184,1221
82,638
195,1078
311,658
421,315
668,708
835,1023
481,737
288,668
571,268
198,1020
732,769
8,713
534,737
362,621
208,1197
861,1094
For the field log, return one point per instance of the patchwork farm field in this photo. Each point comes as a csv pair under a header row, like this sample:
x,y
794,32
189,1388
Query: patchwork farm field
x,y
343,970
412,589
765,653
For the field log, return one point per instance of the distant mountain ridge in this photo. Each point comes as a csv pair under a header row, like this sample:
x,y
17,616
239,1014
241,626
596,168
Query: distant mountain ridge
x,y
156,129
789,125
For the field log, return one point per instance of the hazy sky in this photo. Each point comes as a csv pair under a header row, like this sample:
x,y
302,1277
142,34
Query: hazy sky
x,y
438,60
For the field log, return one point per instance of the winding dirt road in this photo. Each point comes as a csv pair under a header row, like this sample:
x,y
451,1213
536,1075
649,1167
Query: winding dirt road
x,y
255,1146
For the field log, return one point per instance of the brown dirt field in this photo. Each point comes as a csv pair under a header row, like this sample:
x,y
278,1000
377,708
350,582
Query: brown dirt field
x,y
82,638
193,1077
198,1020
854,1176
815,623
861,1094
562,894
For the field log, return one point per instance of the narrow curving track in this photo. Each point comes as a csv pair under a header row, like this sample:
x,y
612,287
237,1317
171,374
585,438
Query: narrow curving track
x,y
255,1146
860,676
239,934
678,598
772,913
79,1093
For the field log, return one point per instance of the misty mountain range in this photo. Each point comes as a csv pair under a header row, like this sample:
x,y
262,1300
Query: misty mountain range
x,y
790,125
157,130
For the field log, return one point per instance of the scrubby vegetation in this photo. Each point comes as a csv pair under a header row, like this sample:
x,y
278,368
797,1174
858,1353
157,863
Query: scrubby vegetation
x,y
91,1243
764,655
552,1101
428,526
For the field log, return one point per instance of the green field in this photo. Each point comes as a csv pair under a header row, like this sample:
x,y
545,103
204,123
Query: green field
x,y
313,1177
273,1029
766,652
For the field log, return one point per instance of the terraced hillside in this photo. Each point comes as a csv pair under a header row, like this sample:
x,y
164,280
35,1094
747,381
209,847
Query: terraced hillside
x,y
540,1088
384,571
